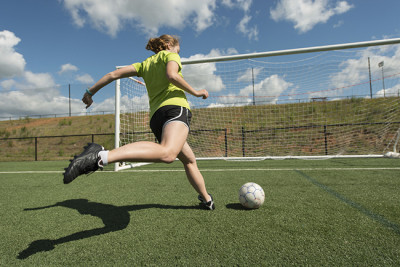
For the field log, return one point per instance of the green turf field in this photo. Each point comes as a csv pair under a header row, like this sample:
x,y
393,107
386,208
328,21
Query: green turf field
x,y
337,212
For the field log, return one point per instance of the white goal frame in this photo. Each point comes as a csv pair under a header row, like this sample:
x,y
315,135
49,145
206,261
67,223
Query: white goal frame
x,y
251,56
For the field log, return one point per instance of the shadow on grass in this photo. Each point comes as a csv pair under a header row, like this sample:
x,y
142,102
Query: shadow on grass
x,y
236,206
115,218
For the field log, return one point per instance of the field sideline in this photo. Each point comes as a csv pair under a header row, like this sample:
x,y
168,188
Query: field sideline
x,y
317,212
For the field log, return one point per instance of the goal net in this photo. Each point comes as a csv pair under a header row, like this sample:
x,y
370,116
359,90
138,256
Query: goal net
x,y
333,101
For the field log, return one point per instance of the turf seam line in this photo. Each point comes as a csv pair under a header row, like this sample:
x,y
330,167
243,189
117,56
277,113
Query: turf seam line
x,y
376,217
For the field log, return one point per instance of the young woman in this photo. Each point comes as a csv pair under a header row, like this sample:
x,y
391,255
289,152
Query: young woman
x,y
169,112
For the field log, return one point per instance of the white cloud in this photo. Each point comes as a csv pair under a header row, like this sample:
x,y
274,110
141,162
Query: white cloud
x,y
107,104
85,79
392,91
305,14
127,104
149,15
242,4
338,24
353,71
36,80
27,93
36,93
203,76
8,84
243,26
36,102
67,68
250,32
111,16
231,100
342,7
11,63
353,77
247,76
271,86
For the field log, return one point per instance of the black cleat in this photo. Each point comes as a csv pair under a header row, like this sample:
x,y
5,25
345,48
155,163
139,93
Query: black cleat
x,y
85,163
208,205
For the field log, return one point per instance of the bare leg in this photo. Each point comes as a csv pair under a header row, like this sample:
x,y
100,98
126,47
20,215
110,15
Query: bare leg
x,y
174,137
173,145
193,173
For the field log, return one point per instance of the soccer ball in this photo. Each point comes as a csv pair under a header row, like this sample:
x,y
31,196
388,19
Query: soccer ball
x,y
251,195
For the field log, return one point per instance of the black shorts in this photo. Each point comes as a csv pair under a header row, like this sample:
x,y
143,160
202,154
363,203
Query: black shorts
x,y
167,114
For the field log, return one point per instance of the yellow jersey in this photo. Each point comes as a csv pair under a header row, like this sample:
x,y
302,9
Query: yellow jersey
x,y
161,92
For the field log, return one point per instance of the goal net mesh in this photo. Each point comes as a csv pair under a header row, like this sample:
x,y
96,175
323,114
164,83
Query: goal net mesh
x,y
324,104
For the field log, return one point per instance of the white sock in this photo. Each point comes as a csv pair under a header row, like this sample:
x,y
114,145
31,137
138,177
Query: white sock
x,y
104,157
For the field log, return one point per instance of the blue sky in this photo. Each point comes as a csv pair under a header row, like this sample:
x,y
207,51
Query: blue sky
x,y
46,45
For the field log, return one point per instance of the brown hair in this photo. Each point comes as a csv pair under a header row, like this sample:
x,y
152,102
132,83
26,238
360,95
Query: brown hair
x,y
161,43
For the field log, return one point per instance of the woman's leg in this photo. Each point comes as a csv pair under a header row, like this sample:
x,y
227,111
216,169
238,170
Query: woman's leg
x,y
173,140
173,145
193,173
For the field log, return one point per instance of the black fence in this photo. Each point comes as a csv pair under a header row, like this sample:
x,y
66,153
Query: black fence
x,y
56,115
58,147
219,142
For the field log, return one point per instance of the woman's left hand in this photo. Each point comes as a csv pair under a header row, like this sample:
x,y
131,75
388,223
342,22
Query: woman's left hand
x,y
202,93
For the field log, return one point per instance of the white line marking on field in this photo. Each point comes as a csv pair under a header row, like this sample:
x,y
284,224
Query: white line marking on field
x,y
269,169
220,170
17,172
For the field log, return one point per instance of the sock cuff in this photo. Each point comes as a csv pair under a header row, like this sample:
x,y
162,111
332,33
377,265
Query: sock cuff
x,y
104,157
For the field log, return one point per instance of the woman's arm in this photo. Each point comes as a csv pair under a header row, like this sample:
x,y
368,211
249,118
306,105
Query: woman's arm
x,y
124,72
177,80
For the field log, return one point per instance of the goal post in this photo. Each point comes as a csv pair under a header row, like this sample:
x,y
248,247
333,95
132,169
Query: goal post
x,y
117,166
316,102
131,116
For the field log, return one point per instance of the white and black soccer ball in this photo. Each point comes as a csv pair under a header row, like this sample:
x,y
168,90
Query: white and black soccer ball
x,y
251,195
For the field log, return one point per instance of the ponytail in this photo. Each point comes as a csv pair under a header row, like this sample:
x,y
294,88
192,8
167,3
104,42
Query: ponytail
x,y
161,43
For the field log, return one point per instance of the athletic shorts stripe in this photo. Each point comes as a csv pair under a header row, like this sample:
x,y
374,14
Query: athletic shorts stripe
x,y
166,115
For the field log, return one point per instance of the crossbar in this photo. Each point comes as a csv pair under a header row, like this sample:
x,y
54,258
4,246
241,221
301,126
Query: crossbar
x,y
294,51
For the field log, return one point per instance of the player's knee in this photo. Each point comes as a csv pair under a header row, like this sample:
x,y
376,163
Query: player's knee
x,y
168,157
168,160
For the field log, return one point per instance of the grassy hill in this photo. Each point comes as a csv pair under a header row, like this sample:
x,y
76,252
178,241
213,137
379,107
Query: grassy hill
x,y
286,128
57,126
16,143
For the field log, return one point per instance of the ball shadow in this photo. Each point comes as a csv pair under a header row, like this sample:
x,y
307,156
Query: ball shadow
x,y
236,206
